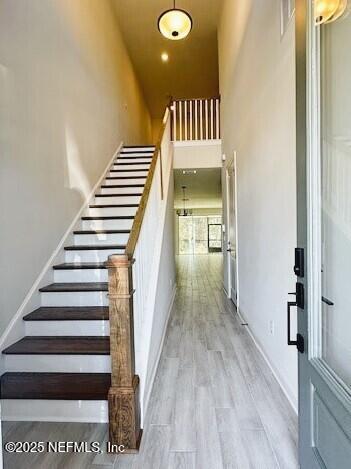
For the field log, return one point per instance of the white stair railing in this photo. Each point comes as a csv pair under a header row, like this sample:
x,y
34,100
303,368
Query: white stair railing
x,y
196,119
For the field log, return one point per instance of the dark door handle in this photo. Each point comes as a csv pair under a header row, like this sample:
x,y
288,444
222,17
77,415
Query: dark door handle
x,y
299,342
327,301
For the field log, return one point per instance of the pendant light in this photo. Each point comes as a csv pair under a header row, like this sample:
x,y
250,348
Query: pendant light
x,y
186,212
327,11
175,24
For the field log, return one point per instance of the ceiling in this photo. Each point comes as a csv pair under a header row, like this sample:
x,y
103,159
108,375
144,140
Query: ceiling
x,y
203,189
192,69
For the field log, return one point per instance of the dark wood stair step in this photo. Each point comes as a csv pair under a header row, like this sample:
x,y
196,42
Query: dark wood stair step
x,y
92,232
65,386
138,146
120,186
128,156
113,205
119,163
75,287
125,177
136,170
121,217
118,195
64,345
69,313
79,266
85,247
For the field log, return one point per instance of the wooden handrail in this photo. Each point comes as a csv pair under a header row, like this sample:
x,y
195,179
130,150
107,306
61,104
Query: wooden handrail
x,y
139,216
203,98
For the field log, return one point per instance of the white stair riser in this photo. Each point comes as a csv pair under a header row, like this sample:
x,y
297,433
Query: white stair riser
x,y
67,328
124,182
58,363
91,256
138,159
128,174
137,149
80,275
120,200
111,211
123,167
101,239
119,224
74,299
122,190
38,410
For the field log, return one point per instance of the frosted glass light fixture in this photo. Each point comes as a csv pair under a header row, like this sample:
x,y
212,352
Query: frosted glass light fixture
x,y
175,24
327,11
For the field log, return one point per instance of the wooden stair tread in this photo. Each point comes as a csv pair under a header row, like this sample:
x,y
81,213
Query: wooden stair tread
x,y
131,156
125,177
63,345
92,232
86,247
120,163
128,170
113,205
121,217
120,186
65,386
138,146
80,266
68,313
75,287
118,195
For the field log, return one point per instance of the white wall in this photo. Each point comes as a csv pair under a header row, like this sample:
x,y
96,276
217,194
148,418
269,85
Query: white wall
x,y
68,97
258,121
197,154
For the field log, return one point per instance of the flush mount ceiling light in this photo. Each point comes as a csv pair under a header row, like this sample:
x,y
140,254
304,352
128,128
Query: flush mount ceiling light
x,y
327,11
175,24
164,57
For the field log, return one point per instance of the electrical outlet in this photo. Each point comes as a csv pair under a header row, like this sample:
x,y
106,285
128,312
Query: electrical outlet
x,y
271,327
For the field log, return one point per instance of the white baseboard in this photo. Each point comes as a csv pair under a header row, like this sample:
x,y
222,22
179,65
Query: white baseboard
x,y
275,373
159,352
15,329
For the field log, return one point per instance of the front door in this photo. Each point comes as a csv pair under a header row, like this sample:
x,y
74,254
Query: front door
x,y
323,260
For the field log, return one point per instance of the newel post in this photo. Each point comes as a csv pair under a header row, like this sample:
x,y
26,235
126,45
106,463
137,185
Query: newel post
x,y
123,397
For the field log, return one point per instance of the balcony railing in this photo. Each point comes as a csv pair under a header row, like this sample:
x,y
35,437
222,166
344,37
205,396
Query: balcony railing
x,y
196,119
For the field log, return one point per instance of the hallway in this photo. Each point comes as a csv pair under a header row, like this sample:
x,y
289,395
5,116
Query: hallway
x,y
215,404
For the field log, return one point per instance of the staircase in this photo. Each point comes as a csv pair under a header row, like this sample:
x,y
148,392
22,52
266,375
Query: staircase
x,y
65,355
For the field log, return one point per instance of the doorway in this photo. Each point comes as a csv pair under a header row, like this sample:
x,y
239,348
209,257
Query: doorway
x,y
232,231
200,234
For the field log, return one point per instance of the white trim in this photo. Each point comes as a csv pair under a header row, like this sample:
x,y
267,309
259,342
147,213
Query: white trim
x,y
158,357
14,330
236,228
194,143
292,400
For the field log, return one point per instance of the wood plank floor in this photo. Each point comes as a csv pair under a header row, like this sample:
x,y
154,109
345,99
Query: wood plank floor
x,y
215,404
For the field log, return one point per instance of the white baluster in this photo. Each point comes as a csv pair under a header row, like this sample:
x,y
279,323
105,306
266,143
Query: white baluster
x,y
191,119
196,122
174,106
217,119
201,122
186,119
206,118
180,121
